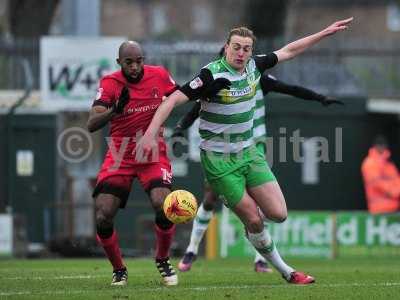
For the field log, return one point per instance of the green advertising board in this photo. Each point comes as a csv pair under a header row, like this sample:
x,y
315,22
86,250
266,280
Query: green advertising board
x,y
365,234
318,234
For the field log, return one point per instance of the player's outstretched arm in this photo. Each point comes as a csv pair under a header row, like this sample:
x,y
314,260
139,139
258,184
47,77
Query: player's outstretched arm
x,y
302,93
295,48
148,141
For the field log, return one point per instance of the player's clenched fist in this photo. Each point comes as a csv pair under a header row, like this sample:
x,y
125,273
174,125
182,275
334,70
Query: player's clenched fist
x,y
122,100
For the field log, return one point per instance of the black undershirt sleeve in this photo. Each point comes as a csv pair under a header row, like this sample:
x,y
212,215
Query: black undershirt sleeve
x,y
270,84
265,61
194,88
187,120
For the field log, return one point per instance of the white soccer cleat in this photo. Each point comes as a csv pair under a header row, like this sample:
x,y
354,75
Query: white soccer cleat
x,y
120,277
170,280
167,272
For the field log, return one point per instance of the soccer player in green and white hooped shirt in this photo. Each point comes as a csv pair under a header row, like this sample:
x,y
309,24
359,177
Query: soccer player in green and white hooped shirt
x,y
236,171
268,84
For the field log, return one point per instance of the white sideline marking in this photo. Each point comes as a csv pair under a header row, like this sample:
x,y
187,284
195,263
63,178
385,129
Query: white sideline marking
x,y
63,277
205,288
56,277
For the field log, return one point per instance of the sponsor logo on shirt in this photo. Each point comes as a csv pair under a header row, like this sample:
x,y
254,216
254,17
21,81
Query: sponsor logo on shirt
x,y
143,108
196,83
155,93
239,93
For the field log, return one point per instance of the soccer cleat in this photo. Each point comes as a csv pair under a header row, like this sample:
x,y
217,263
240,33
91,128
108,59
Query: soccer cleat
x,y
167,272
262,267
120,277
186,262
300,278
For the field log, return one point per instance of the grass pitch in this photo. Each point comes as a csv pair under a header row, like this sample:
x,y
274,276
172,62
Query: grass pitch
x,y
356,278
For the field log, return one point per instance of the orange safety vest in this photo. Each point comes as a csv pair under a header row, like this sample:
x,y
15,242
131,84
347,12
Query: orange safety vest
x,y
381,182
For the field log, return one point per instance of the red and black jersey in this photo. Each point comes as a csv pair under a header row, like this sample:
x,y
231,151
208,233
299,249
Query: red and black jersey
x,y
145,97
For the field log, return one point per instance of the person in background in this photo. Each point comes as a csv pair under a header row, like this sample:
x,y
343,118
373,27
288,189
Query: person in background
x,y
381,179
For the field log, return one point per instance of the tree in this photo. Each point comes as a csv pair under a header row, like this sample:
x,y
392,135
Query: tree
x,y
30,18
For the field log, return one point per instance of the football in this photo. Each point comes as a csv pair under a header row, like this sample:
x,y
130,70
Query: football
x,y
180,206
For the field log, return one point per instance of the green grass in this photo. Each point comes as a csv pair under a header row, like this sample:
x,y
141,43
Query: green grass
x,y
356,278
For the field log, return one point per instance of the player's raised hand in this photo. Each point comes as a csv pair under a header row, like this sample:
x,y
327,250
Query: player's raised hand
x,y
337,26
144,148
215,86
328,101
122,100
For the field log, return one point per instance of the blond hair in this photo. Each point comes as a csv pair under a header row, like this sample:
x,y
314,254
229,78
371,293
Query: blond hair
x,y
241,31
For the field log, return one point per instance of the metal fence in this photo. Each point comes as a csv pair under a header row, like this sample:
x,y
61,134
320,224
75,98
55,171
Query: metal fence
x,y
338,69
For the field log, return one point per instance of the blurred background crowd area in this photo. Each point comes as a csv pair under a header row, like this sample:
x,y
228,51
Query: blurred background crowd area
x,y
184,34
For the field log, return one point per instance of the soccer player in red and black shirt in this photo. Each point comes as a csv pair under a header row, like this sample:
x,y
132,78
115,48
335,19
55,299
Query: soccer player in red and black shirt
x,y
128,99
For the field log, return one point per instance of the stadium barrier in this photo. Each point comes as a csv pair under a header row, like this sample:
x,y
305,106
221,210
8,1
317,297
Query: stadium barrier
x,y
317,234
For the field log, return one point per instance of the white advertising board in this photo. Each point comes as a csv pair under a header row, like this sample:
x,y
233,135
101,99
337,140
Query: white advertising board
x,y
70,68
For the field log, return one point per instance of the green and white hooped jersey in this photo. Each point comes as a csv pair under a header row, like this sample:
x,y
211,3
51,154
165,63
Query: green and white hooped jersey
x,y
227,121
259,129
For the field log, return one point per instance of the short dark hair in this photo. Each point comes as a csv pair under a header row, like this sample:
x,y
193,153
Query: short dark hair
x,y
241,31
380,140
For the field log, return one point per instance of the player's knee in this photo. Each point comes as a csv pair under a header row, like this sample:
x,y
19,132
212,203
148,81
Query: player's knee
x,y
157,196
254,224
276,214
157,204
279,217
103,220
104,217
162,221
282,217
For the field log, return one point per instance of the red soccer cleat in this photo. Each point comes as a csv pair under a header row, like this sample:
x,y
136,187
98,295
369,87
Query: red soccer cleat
x,y
300,278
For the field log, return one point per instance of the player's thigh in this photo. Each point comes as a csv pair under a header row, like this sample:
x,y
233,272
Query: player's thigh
x,y
229,188
106,206
270,199
247,211
265,190
117,185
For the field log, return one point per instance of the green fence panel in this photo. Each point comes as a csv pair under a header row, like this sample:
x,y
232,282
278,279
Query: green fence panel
x,y
318,234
